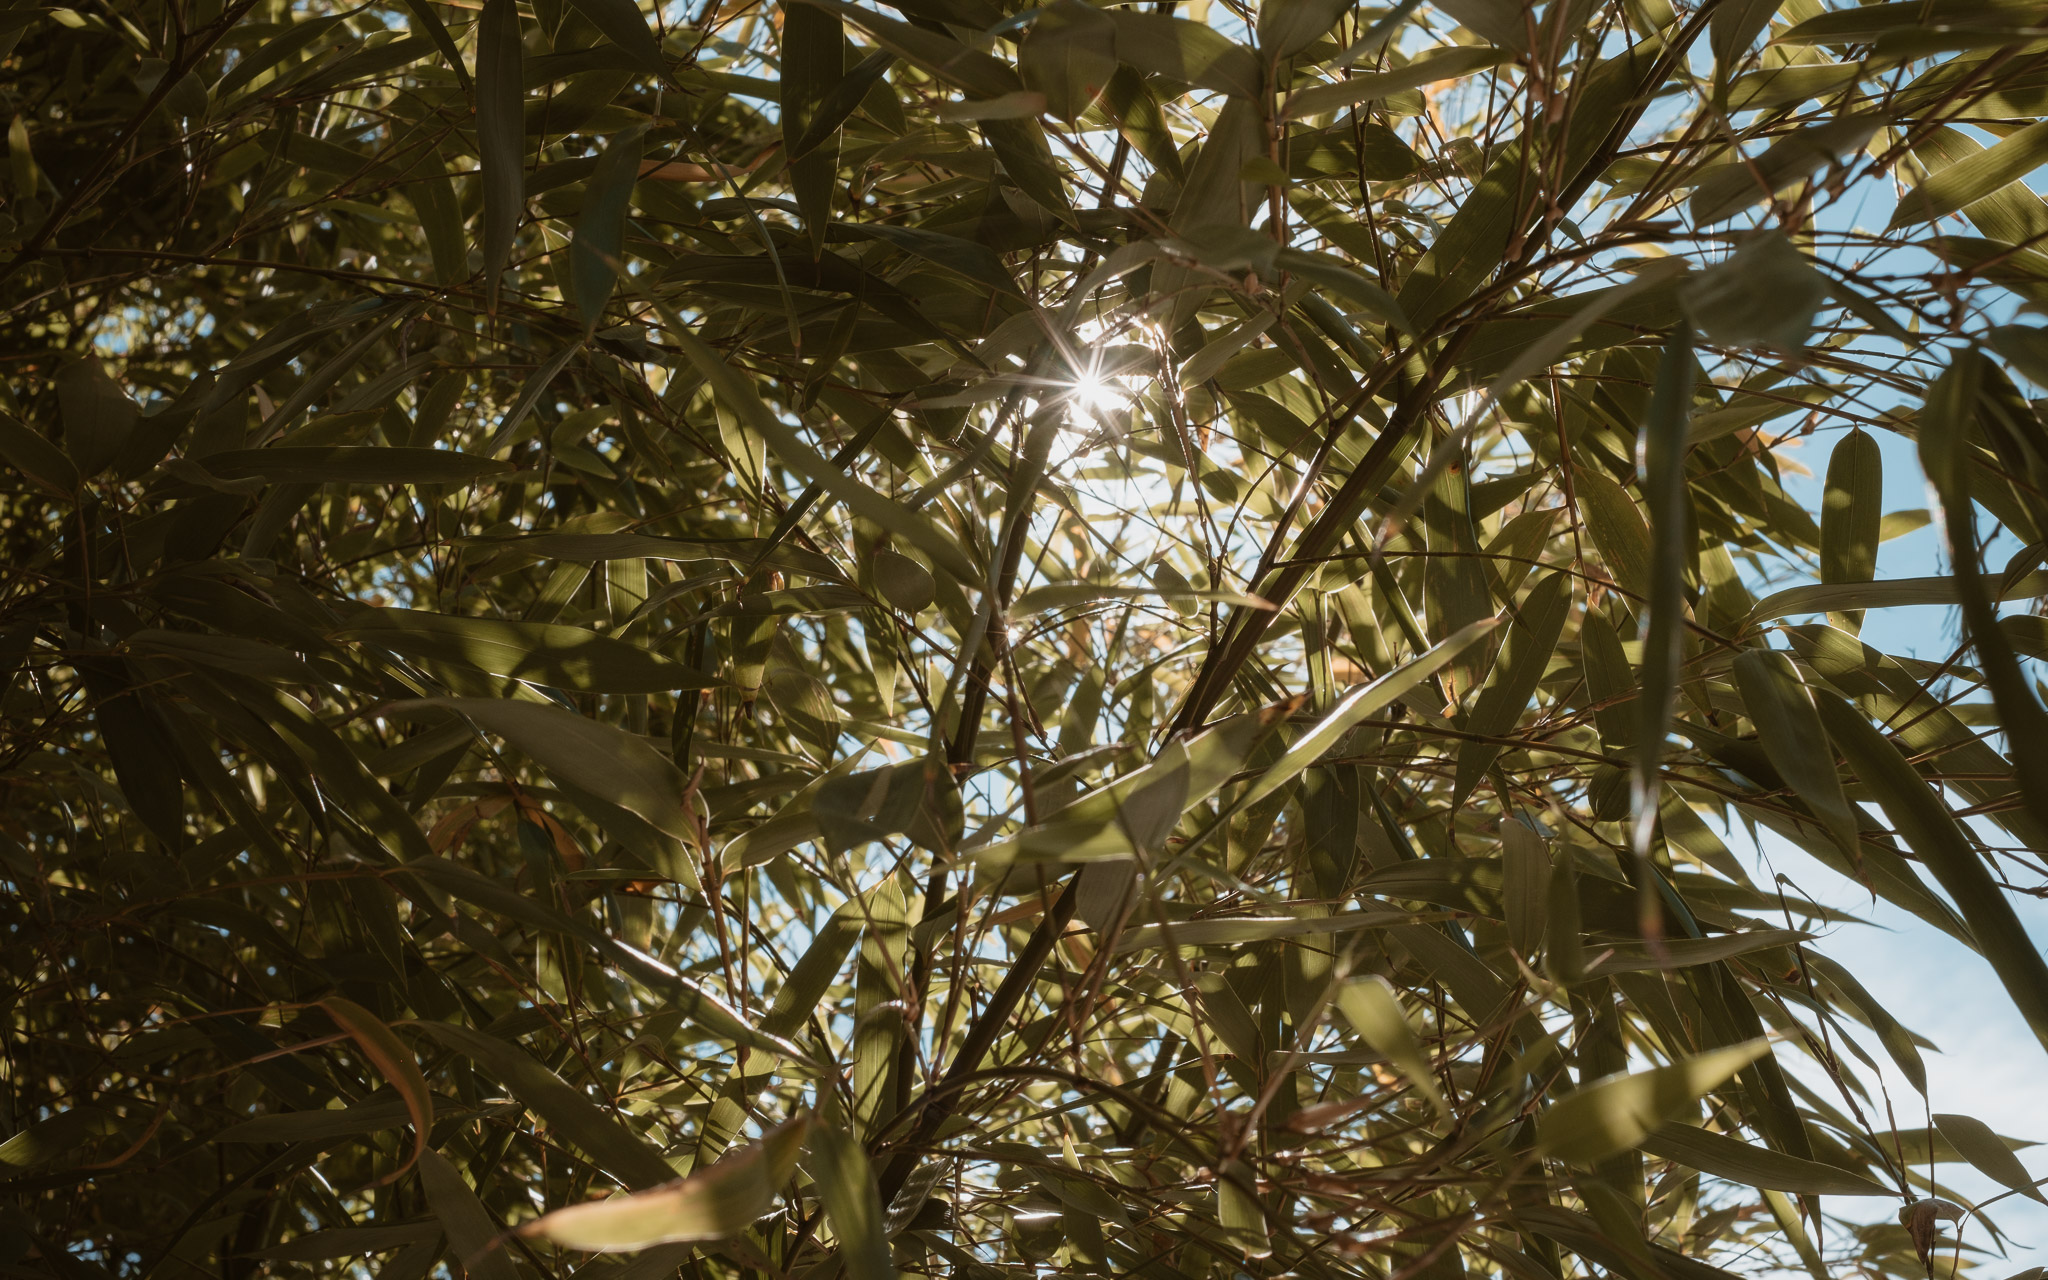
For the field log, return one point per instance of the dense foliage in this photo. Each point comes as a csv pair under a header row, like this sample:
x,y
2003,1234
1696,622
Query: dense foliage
x,y
1134,640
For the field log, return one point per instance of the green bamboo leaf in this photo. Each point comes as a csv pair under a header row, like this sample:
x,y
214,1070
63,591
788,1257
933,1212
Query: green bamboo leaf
x,y
853,1206
623,25
1286,27
813,66
830,114
141,752
1374,1012
1897,1041
1893,593
612,764
1724,192
1357,705
1136,811
979,74
1238,930
1852,515
1754,1164
1736,25
1518,668
1985,1150
1680,953
98,416
906,584
1972,393
1662,448
1949,190
738,395
322,1126
1616,525
62,1134
1068,59
1239,1211
1564,960
2025,347
713,1203
1189,52
1934,833
352,464
1065,595
1433,67
1027,158
567,1109
976,262
37,458
352,1242
2027,633
437,31
543,653
1610,680
500,136
1525,884
815,971
1870,23
440,215
1618,1112
1132,102
1789,728
473,1237
1766,292
597,252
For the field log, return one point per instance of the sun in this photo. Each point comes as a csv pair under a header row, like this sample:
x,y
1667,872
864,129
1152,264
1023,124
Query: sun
x,y
1102,390
1094,394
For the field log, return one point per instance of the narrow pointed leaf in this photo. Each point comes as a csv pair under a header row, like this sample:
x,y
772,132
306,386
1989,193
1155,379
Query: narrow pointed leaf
x,y
1618,1112
713,1203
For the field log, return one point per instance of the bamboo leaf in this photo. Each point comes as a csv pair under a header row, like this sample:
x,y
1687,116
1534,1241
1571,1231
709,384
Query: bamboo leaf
x,y
597,254
1434,67
501,136
713,1203
741,398
608,762
623,25
1524,657
566,1108
544,653
1852,514
1525,888
1662,450
1933,833
1789,729
395,1063
472,1235
352,464
1618,1112
1375,1013
853,1206
1755,1165
1987,1152
1949,190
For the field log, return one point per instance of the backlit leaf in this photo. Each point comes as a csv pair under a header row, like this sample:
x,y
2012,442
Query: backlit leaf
x,y
1618,1112
721,1200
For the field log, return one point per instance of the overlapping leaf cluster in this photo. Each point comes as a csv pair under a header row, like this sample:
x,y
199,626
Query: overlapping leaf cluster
x,y
1098,639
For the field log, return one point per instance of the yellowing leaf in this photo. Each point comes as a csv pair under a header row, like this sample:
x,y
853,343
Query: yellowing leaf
x,y
395,1063
713,1203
